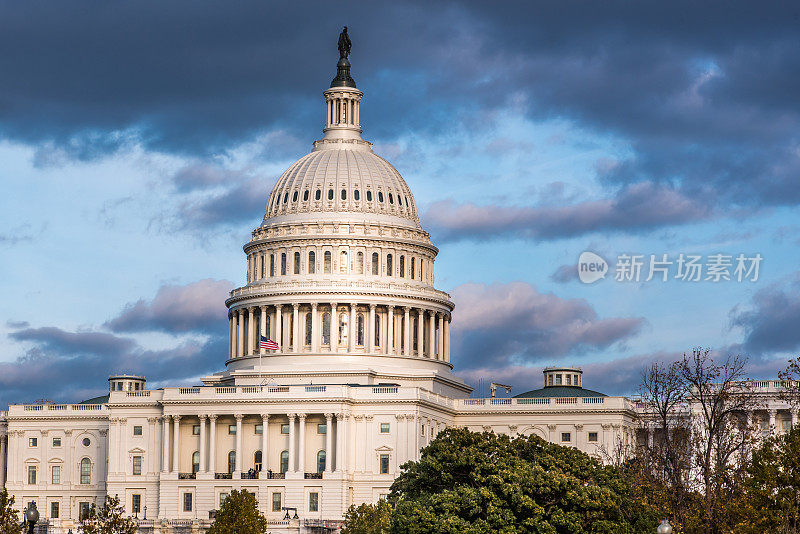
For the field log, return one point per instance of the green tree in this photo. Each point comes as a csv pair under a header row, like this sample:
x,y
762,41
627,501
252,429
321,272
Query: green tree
x,y
110,519
239,515
467,482
9,517
368,518
771,499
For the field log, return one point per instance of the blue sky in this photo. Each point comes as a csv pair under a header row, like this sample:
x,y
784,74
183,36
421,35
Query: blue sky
x,y
139,143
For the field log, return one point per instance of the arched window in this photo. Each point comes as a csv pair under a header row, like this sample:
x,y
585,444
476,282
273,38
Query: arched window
x,y
231,461
195,461
369,195
294,197
308,328
360,263
86,471
312,262
401,336
380,196
317,194
402,266
326,328
414,331
291,330
272,264
343,261
327,261
257,464
342,328
375,265
388,265
344,194
360,330
305,195
284,461
296,263
285,197
377,330
283,263
411,272
330,194
321,461
356,195
391,199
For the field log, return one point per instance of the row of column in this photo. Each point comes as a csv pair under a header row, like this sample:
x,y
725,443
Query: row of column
x,y
208,454
246,325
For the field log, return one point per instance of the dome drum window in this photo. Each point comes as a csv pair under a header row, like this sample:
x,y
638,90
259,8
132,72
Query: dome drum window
x,y
369,195
356,195
305,195
317,195
344,194
330,194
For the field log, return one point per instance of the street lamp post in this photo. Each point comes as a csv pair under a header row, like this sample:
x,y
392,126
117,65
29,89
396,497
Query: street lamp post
x,y
664,528
31,516
145,513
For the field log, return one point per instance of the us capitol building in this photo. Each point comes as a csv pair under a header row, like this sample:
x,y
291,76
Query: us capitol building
x,y
340,274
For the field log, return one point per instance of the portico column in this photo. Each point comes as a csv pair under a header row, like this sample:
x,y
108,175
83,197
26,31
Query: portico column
x,y
262,329
650,436
203,444
328,442
314,328
250,331
351,336
772,415
440,317
278,328
291,442
296,327
264,441
413,447
371,329
334,346
401,441
176,438
240,336
301,450
238,468
3,440
447,339
432,335
341,433
165,444
390,330
407,331
795,414
212,444
420,333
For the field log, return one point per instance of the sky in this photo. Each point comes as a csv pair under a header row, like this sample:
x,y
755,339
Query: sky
x,y
139,142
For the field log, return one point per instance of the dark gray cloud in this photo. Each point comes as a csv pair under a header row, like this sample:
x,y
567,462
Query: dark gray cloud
x,y
564,274
502,325
770,321
704,96
638,207
243,202
195,307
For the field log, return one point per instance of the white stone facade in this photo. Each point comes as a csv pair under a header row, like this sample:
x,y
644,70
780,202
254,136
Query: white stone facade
x,y
341,275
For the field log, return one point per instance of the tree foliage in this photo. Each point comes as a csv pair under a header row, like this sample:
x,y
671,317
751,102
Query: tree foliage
x,y
239,515
9,517
368,518
487,483
771,488
110,519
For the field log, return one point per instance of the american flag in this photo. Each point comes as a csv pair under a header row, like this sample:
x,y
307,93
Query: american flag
x,y
268,344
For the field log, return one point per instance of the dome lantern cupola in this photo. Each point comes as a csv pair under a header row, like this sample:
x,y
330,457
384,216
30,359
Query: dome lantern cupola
x,y
342,100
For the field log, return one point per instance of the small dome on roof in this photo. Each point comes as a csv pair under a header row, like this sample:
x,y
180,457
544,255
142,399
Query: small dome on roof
x,y
560,391
562,382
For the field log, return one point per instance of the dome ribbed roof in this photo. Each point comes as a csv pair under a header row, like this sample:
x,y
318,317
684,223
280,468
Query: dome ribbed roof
x,y
342,177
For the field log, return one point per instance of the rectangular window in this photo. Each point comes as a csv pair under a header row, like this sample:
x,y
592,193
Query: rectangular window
x,y
55,474
569,380
384,428
592,436
187,502
285,428
787,424
195,430
558,380
136,503
422,429
566,436
313,501
283,263
276,502
549,380
56,442
259,428
322,428
137,465
33,442
54,510
222,497
137,430
272,264
31,474
83,510
384,464
232,429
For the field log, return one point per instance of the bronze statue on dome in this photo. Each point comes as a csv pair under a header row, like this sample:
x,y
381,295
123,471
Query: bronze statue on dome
x,y
344,44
